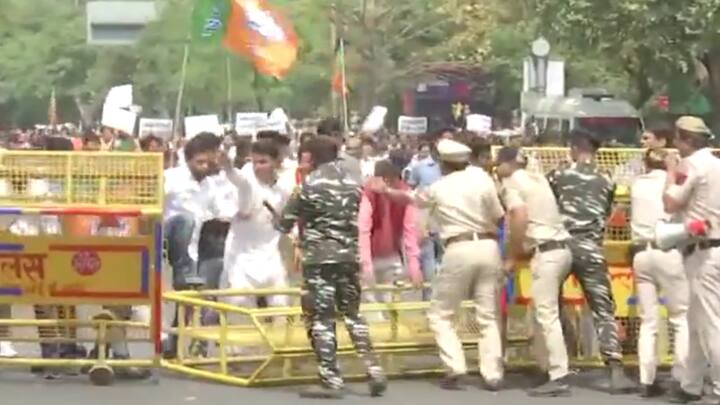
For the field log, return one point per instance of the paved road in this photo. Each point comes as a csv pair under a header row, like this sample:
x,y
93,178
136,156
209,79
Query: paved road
x,y
23,389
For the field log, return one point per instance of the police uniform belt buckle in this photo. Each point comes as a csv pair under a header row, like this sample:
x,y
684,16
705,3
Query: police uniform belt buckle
x,y
468,236
551,245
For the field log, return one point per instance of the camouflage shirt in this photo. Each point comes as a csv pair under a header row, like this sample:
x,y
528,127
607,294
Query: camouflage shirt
x,y
585,196
327,205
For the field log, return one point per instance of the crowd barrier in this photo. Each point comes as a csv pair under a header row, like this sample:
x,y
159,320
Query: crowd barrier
x,y
254,346
257,346
59,264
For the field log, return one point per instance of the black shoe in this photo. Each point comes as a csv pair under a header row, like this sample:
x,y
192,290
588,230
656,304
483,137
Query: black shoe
x,y
377,382
451,383
551,389
131,373
492,385
322,392
653,390
683,397
619,382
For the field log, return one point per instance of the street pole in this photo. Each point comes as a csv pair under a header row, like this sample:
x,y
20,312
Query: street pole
x,y
228,71
181,90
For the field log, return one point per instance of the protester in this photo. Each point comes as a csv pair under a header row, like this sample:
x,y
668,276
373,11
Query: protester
x,y
387,235
252,258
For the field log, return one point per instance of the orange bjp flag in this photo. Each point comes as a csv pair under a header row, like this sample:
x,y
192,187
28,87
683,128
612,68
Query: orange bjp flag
x,y
260,33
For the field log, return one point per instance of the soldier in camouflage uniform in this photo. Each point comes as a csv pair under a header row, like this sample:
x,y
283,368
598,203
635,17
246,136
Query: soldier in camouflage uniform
x,y
585,195
327,204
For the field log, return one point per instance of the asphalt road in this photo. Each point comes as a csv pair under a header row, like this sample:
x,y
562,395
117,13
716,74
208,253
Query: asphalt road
x,y
19,388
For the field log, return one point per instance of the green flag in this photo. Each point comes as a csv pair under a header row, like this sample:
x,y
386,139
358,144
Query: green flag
x,y
208,20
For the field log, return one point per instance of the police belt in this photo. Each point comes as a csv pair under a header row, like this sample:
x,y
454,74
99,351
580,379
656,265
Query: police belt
x,y
702,245
469,236
550,246
637,247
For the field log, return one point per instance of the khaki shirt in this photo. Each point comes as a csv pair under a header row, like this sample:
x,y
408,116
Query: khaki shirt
x,y
463,201
647,206
698,188
532,191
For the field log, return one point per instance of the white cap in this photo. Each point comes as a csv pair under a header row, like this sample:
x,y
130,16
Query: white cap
x,y
453,151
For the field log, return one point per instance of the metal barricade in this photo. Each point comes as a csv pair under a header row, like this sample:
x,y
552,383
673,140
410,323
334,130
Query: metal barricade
x,y
61,263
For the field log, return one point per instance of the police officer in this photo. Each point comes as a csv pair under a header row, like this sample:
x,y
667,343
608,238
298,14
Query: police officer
x,y
693,191
655,269
585,196
327,205
535,223
467,210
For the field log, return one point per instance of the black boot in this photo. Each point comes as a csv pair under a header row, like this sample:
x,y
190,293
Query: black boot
x,y
552,389
619,382
131,373
377,382
322,392
683,397
653,390
451,383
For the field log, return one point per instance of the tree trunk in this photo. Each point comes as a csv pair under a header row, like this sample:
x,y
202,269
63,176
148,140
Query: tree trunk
x,y
712,63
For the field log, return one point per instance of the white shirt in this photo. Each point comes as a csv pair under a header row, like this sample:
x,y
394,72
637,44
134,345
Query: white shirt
x,y
647,206
251,248
185,195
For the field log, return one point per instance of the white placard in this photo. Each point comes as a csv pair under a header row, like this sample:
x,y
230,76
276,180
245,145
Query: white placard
x,y
478,123
270,125
202,123
412,125
162,128
375,120
119,119
247,123
119,97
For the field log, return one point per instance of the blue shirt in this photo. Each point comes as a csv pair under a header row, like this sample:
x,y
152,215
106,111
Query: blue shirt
x,y
424,173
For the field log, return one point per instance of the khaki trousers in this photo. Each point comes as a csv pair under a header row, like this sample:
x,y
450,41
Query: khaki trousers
x,y
468,270
703,272
655,269
549,271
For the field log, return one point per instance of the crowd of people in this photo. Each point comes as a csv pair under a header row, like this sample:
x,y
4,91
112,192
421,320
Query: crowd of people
x,y
334,213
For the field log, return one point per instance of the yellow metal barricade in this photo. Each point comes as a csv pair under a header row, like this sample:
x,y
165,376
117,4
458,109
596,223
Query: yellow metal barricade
x,y
256,346
68,265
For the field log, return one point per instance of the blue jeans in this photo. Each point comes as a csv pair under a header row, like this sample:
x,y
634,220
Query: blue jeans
x,y
430,255
178,232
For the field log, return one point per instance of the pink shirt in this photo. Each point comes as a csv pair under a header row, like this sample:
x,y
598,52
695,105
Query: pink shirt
x,y
386,229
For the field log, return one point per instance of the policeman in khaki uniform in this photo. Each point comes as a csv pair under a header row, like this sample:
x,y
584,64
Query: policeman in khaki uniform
x,y
536,226
655,269
467,210
693,190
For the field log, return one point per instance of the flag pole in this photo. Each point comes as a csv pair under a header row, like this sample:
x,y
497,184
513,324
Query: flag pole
x,y
228,72
181,89
334,43
344,85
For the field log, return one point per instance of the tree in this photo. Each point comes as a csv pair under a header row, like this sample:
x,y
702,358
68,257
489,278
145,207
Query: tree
x,y
652,40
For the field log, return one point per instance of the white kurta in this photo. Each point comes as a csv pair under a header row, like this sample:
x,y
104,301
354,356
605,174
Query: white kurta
x,y
252,257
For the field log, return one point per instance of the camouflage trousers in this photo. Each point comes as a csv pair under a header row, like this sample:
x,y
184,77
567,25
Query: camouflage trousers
x,y
329,289
591,270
